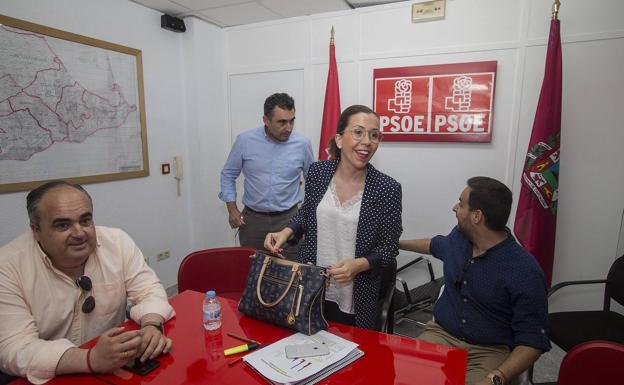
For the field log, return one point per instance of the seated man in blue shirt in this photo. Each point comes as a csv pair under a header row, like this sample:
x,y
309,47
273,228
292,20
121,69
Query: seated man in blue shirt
x,y
494,303
272,158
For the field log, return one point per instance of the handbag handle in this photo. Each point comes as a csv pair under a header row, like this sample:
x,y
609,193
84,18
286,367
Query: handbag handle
x,y
265,263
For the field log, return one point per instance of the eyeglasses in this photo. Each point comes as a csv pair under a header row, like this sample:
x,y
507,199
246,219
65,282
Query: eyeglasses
x,y
85,284
459,281
358,134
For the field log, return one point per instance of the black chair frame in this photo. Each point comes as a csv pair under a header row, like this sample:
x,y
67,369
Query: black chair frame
x,y
614,289
386,317
421,298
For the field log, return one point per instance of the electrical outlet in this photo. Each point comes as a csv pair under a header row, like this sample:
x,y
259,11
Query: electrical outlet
x,y
163,255
428,11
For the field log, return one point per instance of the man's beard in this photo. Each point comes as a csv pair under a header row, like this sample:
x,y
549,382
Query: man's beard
x,y
464,229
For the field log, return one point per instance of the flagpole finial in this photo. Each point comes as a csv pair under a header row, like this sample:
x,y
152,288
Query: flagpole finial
x,y
555,9
331,40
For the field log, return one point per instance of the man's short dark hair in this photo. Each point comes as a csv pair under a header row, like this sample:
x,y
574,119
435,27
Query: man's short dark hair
x,y
493,198
281,100
33,197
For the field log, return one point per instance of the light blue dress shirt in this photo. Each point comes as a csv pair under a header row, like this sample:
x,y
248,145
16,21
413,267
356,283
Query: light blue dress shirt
x,y
272,170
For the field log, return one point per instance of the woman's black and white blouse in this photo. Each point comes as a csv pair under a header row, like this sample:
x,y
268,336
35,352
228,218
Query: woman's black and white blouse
x,y
378,231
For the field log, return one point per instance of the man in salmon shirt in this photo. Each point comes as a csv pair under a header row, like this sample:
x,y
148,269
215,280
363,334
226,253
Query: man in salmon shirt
x,y
66,281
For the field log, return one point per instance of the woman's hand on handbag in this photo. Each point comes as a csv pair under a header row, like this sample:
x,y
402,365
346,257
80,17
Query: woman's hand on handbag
x,y
274,241
345,271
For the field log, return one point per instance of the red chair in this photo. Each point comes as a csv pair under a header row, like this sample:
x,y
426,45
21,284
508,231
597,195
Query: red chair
x,y
222,269
593,363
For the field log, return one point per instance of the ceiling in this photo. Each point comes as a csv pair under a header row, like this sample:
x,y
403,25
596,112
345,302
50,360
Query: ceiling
x,y
227,13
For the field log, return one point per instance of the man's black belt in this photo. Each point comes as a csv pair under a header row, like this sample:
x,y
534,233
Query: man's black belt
x,y
270,213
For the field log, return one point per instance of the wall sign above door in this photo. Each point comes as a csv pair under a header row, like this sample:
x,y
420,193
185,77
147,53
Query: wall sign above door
x,y
436,103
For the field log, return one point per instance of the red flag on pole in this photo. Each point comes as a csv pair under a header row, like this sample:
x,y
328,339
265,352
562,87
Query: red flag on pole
x,y
536,215
331,109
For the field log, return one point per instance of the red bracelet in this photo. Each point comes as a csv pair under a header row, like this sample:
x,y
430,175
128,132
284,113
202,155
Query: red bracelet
x,y
89,361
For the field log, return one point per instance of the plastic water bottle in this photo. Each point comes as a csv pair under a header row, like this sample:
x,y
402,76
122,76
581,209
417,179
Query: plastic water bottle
x,y
212,311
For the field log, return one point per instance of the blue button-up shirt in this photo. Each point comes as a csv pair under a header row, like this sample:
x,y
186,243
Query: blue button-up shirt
x,y
272,170
497,298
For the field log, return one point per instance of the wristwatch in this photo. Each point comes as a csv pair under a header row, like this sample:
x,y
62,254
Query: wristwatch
x,y
157,325
496,380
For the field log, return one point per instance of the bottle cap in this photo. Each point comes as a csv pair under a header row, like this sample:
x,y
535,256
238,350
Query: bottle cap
x,y
211,294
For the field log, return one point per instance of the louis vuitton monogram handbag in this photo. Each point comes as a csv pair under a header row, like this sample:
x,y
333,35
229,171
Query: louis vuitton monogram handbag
x,y
285,293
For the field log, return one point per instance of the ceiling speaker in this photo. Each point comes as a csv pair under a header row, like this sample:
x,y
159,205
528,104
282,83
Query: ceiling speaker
x,y
172,23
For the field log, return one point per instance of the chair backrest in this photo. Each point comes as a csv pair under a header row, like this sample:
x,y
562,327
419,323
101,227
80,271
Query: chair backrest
x,y
385,322
615,283
593,363
222,269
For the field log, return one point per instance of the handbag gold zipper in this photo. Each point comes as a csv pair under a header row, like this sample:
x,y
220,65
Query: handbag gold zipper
x,y
275,279
290,319
299,300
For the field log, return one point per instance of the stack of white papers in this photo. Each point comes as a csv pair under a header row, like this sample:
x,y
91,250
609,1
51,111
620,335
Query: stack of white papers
x,y
271,361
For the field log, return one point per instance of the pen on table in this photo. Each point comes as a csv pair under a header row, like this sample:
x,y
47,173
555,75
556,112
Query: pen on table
x,y
235,361
241,338
250,345
240,358
241,348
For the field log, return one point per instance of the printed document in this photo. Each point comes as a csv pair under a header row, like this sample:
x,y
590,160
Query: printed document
x,y
272,363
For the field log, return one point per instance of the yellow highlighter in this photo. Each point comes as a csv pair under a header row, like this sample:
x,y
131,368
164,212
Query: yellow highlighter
x,y
241,348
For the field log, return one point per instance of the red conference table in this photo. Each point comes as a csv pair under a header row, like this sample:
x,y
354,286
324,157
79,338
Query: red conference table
x,y
197,355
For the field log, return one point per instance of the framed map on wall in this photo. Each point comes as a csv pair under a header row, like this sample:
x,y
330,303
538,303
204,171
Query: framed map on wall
x,y
71,107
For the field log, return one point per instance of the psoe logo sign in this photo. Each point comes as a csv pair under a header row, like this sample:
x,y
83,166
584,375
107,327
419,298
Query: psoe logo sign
x,y
448,102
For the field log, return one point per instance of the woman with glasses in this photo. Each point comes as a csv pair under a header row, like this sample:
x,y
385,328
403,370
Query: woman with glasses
x,y
351,219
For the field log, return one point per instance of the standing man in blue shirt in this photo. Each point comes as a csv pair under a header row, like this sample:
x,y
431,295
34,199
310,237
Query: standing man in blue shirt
x,y
494,304
272,158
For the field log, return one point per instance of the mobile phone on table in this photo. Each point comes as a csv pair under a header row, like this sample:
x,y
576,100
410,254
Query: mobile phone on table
x,y
306,350
141,368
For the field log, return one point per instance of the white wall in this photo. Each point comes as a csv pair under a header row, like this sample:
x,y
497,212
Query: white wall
x,y
208,135
432,174
193,84
147,208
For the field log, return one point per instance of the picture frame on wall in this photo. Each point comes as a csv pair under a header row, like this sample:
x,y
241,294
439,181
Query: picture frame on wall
x,y
71,107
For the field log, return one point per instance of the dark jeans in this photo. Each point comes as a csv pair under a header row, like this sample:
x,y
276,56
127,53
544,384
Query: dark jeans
x,y
5,378
334,314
